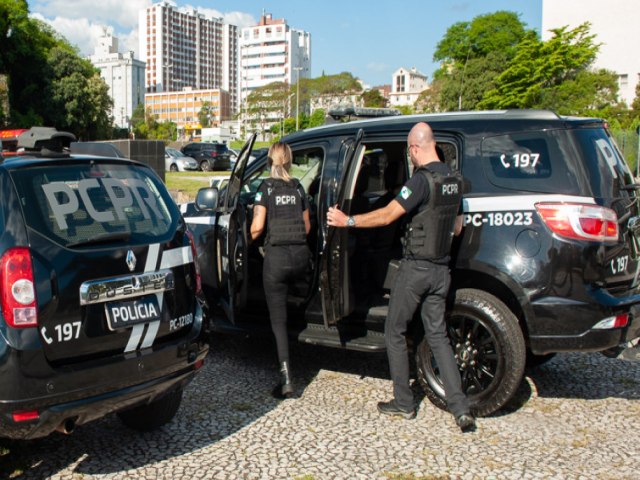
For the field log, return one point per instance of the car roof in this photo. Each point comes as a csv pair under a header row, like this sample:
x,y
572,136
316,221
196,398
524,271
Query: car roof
x,y
20,161
479,121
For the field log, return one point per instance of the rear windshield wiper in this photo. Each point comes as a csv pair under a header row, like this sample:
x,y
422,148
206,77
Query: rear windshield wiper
x,y
104,238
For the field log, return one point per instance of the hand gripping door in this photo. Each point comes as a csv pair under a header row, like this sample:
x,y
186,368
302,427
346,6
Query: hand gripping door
x,y
334,275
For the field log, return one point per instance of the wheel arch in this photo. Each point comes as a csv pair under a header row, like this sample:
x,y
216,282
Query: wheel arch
x,y
498,285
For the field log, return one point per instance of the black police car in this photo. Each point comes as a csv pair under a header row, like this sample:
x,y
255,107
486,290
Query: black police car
x,y
98,290
547,261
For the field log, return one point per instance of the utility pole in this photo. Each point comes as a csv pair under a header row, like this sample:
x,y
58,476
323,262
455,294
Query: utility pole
x,y
297,69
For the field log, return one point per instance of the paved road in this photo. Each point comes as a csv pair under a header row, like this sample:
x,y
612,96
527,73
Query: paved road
x,y
576,417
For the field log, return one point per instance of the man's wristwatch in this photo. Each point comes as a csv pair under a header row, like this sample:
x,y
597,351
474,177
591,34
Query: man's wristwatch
x,y
351,222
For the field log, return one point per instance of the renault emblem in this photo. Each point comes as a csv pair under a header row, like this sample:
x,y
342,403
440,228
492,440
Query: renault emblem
x,y
131,261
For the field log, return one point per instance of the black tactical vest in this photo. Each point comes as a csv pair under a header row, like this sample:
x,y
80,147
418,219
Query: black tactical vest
x,y
430,233
284,213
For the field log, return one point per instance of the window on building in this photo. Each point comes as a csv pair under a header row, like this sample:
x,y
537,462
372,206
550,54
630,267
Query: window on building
x,y
623,80
400,86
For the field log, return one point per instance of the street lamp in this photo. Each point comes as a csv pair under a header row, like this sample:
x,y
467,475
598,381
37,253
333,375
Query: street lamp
x,y
297,69
284,113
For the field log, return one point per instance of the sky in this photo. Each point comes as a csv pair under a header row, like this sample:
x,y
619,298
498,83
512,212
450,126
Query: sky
x,y
370,39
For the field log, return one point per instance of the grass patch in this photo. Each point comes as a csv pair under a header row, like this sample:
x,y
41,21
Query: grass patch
x,y
189,182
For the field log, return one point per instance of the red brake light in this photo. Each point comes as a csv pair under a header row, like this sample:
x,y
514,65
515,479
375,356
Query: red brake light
x,y
17,290
25,415
194,253
581,222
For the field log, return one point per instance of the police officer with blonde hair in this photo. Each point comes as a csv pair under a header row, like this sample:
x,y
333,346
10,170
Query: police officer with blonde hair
x,y
431,199
282,207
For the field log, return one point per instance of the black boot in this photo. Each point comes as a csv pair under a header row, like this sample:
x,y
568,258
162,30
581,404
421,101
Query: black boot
x,y
284,389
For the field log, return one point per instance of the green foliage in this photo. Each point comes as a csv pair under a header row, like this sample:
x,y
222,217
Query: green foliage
x,y
539,67
146,126
473,54
373,98
49,83
317,118
463,89
205,114
80,96
501,31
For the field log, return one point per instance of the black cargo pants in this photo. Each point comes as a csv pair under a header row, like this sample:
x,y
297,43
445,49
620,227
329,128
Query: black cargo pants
x,y
283,265
425,284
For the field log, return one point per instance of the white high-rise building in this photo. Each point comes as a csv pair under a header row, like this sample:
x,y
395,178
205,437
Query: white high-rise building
x,y
407,85
123,74
186,49
616,28
272,51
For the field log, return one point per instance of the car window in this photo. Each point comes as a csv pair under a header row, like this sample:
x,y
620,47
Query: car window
x,y
607,168
79,202
531,161
306,167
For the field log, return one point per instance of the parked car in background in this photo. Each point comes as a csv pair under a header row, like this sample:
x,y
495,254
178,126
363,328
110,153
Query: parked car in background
x,y
100,308
210,156
176,161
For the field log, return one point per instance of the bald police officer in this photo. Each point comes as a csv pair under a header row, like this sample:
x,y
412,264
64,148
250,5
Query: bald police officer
x,y
431,198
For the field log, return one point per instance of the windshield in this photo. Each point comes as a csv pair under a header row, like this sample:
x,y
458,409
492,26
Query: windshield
x,y
85,203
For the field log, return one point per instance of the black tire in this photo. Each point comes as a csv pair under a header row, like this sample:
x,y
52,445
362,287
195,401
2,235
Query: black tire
x,y
173,167
486,332
534,360
145,418
204,166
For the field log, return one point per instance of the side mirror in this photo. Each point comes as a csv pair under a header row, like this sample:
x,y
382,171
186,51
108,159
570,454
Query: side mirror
x,y
207,199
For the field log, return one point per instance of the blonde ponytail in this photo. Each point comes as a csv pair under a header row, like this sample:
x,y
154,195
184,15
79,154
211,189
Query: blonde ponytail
x,y
280,157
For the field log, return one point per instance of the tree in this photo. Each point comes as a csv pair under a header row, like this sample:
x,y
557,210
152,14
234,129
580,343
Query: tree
x,y
49,83
541,73
473,54
79,96
495,32
373,98
205,114
266,105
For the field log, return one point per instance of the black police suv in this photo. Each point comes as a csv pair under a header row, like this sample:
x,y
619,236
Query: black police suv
x,y
547,261
98,289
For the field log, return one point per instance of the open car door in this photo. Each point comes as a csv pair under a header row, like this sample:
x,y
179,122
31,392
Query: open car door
x,y
336,292
231,237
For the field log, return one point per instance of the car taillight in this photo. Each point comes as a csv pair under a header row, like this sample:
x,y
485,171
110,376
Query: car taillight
x,y
195,261
580,222
17,290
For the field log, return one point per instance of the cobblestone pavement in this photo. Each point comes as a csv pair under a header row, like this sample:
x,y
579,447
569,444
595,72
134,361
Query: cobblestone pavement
x,y
577,416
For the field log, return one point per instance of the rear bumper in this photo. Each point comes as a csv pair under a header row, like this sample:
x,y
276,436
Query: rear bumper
x,y
91,393
563,325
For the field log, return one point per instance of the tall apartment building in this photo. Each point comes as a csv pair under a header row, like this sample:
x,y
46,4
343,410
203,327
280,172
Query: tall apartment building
x,y
406,86
184,48
616,28
272,51
123,74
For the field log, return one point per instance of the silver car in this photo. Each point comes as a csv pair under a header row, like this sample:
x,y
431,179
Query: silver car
x,y
176,161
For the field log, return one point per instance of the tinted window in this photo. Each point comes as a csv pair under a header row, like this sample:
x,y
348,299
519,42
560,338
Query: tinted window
x,y
80,202
607,169
532,161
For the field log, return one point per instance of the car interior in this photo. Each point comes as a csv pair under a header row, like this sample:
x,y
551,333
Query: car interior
x,y
383,170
